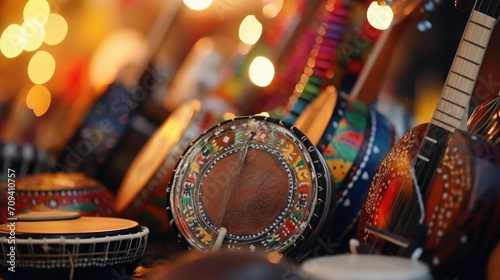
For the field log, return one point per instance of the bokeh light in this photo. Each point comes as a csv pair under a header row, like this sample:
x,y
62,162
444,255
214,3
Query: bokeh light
x,y
261,71
272,8
33,34
56,29
198,5
37,10
41,67
38,99
250,30
11,43
379,16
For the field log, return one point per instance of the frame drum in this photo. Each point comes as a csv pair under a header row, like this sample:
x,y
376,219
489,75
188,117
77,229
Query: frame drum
x,y
251,184
58,191
141,196
78,248
367,267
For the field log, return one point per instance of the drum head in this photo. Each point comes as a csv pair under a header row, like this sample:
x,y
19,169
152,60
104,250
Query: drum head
x,y
81,226
314,120
254,177
153,154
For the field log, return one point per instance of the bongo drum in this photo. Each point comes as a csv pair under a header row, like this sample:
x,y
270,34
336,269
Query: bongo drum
x,y
251,184
71,248
367,267
57,191
141,196
22,159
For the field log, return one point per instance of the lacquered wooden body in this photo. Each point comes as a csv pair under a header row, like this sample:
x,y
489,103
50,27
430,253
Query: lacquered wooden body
x,y
461,209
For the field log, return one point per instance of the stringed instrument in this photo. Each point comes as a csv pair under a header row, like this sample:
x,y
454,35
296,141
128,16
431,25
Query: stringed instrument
x,y
434,196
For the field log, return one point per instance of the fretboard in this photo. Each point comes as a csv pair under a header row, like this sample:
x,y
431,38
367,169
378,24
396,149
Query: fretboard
x,y
452,109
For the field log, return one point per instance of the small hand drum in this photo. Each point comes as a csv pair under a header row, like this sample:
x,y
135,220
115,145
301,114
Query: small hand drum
x,y
56,191
251,184
71,248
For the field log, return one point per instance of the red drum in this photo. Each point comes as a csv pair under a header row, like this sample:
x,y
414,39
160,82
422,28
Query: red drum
x,y
71,248
56,191
141,196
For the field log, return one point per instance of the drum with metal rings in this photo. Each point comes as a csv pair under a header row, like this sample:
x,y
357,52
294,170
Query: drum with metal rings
x,y
71,247
22,159
57,191
367,267
141,196
251,184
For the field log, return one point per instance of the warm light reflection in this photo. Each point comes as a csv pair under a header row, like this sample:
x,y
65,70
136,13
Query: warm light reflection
x,y
38,100
272,8
33,34
37,10
41,67
380,17
228,116
261,71
56,29
120,49
274,257
250,30
198,5
11,44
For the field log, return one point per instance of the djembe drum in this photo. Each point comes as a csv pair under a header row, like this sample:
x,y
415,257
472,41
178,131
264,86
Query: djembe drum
x,y
69,247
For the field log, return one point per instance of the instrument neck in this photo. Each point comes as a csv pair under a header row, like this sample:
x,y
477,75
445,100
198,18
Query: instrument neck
x,y
452,109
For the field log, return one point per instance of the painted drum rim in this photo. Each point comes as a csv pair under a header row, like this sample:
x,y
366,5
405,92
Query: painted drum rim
x,y
324,197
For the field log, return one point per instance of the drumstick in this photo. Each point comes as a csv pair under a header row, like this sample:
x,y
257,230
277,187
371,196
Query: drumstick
x,y
254,126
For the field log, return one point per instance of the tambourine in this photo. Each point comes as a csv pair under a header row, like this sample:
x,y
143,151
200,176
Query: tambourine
x,y
366,267
56,191
251,184
141,196
22,159
71,248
